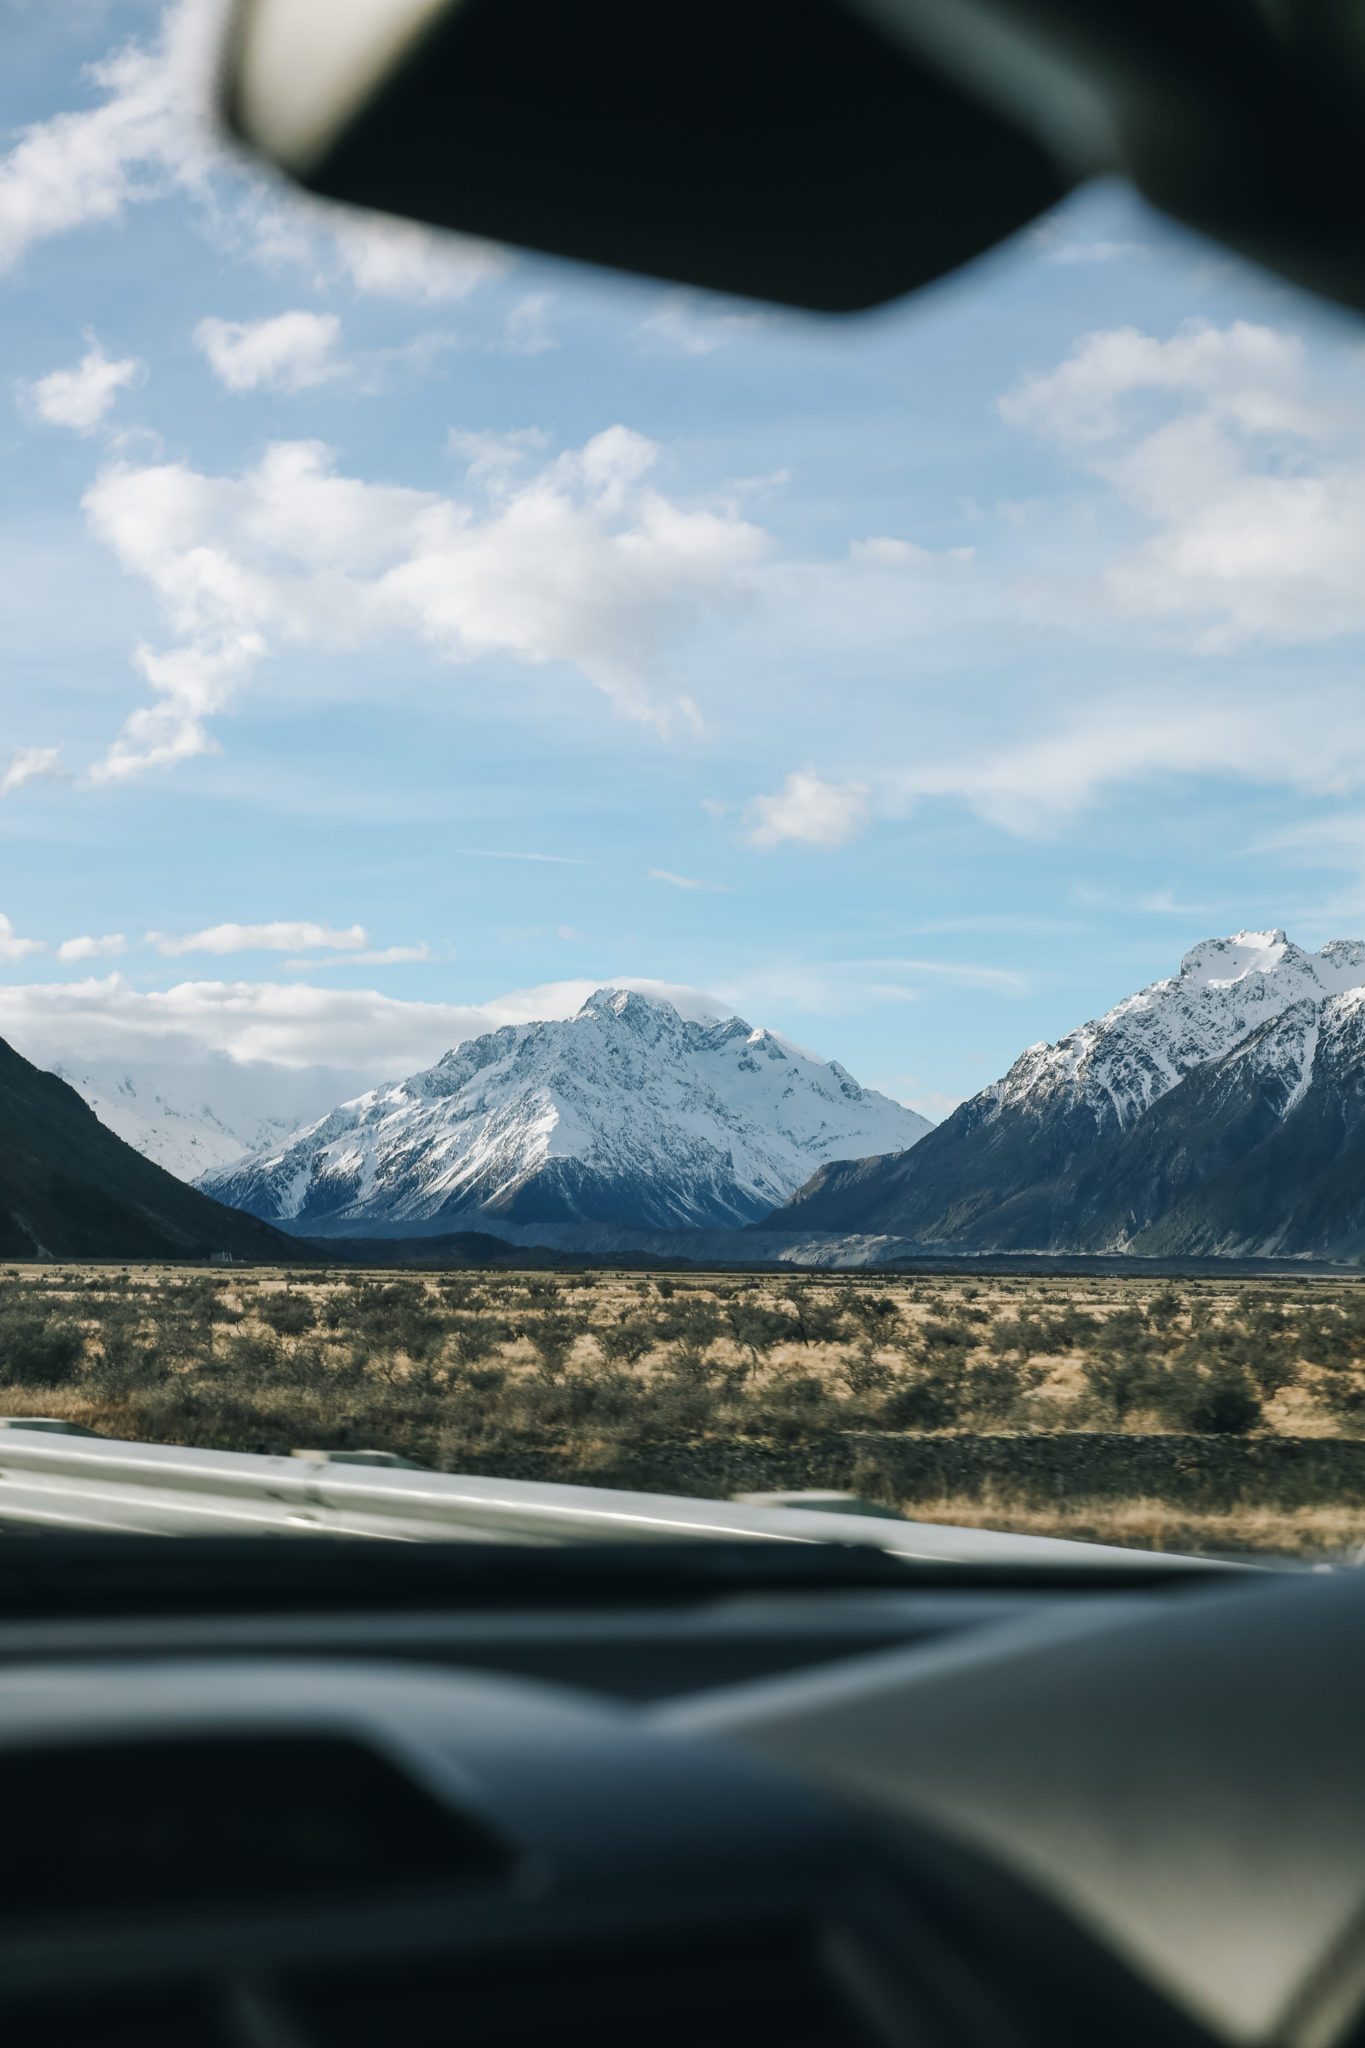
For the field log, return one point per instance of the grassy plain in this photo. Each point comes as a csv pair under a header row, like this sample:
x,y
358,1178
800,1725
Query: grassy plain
x,y
706,1382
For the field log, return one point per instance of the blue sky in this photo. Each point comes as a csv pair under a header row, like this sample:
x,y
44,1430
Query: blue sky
x,y
412,622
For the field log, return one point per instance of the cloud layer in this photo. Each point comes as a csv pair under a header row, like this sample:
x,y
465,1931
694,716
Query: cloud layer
x,y
1255,493
287,1024
279,937
581,562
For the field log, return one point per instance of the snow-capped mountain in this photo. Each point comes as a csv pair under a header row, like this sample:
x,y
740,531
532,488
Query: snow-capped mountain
x,y
1219,1111
1120,1064
628,1112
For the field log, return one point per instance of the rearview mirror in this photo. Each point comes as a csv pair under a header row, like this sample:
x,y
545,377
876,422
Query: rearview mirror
x,y
829,154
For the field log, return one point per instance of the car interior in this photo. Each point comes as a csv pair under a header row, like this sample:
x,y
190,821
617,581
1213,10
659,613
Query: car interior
x,y
335,1768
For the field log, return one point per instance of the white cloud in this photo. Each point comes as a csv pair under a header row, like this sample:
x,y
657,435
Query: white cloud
x,y
287,353
32,764
962,974
393,259
558,860
151,133
146,135
1255,496
12,948
885,552
279,937
87,948
191,683
383,956
814,813
687,324
289,1024
492,460
81,397
689,882
582,563
1031,786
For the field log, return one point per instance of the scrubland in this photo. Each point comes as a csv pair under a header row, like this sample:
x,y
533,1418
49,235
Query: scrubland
x,y
691,1382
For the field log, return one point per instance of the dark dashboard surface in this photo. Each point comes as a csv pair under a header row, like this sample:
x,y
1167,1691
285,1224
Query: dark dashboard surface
x,y
303,1794
632,1622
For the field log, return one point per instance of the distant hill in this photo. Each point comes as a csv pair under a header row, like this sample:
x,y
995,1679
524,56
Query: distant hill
x,y
1221,1111
71,1188
628,1113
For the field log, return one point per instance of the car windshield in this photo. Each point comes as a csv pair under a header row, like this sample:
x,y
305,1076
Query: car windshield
x,y
620,889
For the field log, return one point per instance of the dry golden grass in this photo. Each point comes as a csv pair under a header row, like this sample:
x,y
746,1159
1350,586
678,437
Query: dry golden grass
x,y
1326,1534
659,1381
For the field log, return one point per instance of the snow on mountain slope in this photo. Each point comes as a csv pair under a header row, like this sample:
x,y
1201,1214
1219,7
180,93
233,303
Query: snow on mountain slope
x,y
627,1112
197,1118
1118,1065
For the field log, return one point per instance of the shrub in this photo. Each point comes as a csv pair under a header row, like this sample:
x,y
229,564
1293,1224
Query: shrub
x,y
921,1402
626,1342
35,1352
1218,1402
817,1315
554,1337
947,1337
692,1318
993,1394
253,1360
1165,1308
757,1329
1204,1392
1343,1391
1014,1333
288,1315
125,1366
476,1336
1120,1382
865,1373
876,1312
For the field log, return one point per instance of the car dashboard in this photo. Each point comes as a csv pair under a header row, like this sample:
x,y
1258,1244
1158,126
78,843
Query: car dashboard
x,y
324,1793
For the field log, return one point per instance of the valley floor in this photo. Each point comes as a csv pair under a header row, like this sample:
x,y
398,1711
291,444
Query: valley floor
x,y
1210,1414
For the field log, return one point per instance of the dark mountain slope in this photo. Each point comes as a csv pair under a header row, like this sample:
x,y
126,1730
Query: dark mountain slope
x,y
1221,1113
1286,1182
1004,1182
68,1186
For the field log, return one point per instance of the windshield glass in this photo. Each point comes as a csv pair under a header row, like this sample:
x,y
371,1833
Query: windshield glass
x,y
656,894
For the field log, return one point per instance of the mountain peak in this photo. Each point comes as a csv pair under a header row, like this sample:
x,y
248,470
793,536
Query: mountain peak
x,y
630,1111
1219,1111
1218,962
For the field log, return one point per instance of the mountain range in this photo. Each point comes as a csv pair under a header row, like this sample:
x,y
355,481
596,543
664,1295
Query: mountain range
x,y
628,1113
1218,1112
